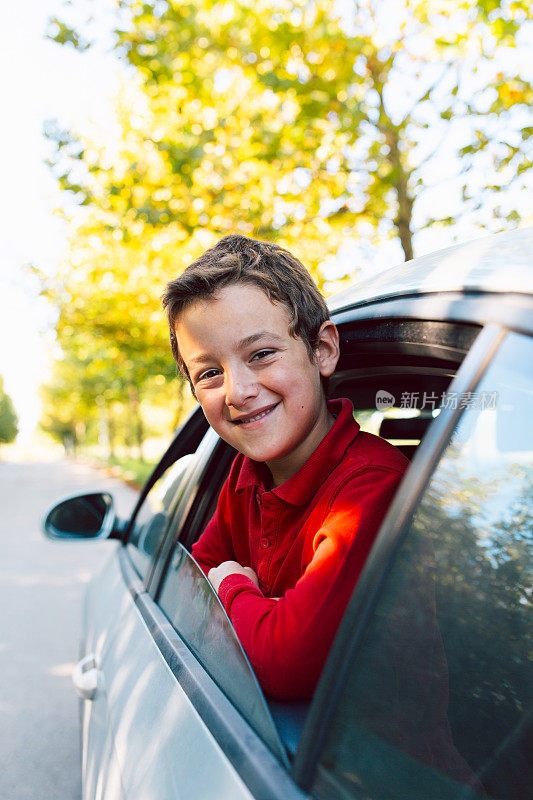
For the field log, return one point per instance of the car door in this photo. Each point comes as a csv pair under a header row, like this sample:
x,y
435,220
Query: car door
x,y
163,722
429,691
166,720
104,606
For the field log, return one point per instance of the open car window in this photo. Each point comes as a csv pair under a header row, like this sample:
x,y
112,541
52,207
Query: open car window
x,y
438,701
196,613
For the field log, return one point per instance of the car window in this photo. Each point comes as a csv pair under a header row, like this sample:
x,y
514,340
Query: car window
x,y
404,427
398,407
196,613
438,703
151,520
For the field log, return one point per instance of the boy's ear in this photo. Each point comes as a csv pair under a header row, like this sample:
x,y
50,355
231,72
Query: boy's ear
x,y
327,349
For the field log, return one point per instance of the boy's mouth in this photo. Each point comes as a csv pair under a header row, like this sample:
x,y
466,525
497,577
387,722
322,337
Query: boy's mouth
x,y
263,412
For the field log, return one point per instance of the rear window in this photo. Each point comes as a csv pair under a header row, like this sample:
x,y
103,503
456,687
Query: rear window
x,y
439,700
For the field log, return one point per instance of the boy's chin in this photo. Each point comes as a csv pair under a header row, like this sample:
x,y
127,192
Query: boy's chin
x,y
262,455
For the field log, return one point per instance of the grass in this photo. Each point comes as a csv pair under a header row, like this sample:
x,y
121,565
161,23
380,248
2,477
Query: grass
x,y
131,470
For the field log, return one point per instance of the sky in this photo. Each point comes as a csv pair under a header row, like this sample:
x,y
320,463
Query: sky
x,y
41,80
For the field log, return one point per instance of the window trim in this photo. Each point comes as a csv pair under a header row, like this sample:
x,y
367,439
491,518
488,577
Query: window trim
x,y
260,720
382,556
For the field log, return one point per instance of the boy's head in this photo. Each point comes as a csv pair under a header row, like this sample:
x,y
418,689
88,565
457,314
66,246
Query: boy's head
x,y
251,332
238,259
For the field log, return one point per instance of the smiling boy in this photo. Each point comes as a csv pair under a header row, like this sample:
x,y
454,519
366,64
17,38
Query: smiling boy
x,y
305,496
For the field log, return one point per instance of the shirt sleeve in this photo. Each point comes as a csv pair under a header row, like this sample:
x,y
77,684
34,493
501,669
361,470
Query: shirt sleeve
x,y
215,544
288,640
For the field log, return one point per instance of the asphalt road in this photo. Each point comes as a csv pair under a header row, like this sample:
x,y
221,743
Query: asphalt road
x,y
41,590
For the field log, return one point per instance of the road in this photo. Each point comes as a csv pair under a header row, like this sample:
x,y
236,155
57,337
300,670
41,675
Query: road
x,y
41,589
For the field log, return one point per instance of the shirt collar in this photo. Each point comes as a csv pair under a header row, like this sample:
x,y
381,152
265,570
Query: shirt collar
x,y
299,489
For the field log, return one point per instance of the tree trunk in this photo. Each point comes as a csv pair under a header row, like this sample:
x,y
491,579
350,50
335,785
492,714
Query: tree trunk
x,y
403,219
104,437
401,174
179,405
137,419
111,430
79,434
405,202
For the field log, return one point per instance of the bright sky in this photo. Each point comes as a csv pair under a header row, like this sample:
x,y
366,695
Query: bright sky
x,y
41,80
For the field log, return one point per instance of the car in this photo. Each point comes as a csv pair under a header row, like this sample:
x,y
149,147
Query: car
x,y
426,693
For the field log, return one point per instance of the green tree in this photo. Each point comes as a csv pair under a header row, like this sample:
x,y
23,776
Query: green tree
x,y
285,120
8,417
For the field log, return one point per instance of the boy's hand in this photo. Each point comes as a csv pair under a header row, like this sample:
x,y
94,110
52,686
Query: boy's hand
x,y
217,574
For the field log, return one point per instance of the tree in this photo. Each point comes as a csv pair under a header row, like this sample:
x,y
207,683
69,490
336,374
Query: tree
x,y
8,417
328,122
285,120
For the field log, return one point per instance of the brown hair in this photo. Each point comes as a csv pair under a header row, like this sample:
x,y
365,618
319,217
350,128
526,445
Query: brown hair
x,y
238,259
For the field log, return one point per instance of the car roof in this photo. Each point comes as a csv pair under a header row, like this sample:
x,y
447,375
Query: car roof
x,y
499,263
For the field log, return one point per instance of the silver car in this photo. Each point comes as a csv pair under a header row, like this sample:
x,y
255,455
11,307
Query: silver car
x,y
427,692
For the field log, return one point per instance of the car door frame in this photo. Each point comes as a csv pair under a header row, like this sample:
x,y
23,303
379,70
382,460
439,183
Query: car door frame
x,y
364,599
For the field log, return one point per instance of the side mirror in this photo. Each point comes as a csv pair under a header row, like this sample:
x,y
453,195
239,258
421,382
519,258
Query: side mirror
x,y
87,516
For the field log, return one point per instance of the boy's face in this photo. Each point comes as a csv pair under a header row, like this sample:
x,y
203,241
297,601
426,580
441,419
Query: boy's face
x,y
256,383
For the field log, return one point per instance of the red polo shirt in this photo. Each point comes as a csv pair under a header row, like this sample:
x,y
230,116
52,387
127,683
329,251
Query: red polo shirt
x,y
307,540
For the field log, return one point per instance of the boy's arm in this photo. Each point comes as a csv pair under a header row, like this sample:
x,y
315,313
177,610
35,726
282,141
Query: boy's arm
x,y
287,640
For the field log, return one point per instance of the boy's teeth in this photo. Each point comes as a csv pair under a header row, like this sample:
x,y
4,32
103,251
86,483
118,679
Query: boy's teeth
x,y
257,416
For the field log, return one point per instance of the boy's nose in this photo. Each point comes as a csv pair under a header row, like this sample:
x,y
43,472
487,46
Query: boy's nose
x,y
240,387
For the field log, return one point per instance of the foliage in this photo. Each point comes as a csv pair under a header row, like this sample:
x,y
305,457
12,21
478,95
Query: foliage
x,y
287,120
281,119
8,417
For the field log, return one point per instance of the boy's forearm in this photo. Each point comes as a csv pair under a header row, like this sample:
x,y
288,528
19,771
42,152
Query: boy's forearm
x,y
286,652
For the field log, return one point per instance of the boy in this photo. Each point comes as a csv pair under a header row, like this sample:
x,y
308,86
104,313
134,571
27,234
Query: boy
x,y
305,496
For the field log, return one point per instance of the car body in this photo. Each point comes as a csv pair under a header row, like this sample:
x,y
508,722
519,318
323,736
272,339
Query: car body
x,y
426,693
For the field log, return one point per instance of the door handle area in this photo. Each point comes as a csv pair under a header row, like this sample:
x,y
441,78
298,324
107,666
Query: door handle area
x,y
85,677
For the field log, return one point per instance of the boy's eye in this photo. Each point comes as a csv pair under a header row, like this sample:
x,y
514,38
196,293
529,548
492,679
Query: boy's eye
x,y
261,354
209,373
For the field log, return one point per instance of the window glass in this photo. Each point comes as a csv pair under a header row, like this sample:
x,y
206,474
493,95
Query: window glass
x,y
439,700
196,613
151,521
